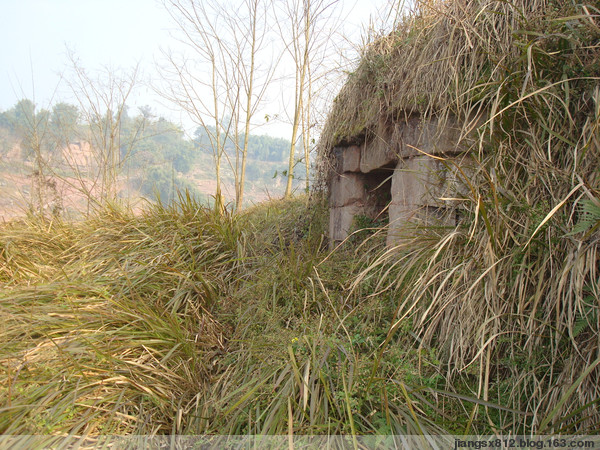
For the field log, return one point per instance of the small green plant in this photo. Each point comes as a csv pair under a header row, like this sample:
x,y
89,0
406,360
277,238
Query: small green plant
x,y
589,218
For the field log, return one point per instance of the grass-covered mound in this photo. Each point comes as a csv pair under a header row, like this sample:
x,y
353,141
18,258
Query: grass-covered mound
x,y
184,321
469,58
511,296
181,321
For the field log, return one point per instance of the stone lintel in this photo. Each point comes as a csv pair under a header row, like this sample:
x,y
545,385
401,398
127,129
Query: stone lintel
x,y
380,150
346,159
376,154
426,135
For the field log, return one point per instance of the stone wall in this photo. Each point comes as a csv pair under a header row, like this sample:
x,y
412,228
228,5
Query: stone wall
x,y
407,172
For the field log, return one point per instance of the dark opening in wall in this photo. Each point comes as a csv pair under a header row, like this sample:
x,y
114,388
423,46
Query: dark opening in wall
x,y
378,186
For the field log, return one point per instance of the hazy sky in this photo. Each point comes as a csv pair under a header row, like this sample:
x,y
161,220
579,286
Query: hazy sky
x,y
34,36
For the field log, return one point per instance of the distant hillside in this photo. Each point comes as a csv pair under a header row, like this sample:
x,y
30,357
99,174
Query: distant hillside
x,y
155,159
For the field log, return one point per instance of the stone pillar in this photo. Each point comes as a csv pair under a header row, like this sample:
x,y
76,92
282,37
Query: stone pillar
x,y
347,195
424,191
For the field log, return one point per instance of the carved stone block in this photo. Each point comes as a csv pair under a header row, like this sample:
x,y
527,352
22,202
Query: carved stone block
x,y
347,189
340,221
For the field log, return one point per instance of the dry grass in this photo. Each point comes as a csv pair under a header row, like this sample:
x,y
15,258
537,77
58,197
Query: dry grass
x,y
105,324
183,321
445,58
511,296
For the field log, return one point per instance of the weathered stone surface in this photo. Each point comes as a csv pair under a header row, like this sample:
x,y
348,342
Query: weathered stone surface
x,y
351,159
391,173
425,191
380,150
403,221
346,159
340,221
347,189
377,153
420,181
427,181
427,136
336,160
399,228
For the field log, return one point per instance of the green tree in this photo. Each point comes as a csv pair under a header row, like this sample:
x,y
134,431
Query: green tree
x,y
63,123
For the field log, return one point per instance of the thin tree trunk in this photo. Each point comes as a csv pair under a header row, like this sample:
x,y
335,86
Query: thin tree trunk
x,y
299,104
248,112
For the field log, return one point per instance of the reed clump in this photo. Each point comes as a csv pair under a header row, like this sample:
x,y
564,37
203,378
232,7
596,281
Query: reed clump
x,y
509,297
184,321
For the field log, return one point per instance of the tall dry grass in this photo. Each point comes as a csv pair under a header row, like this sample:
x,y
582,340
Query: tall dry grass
x,y
510,297
183,321
106,324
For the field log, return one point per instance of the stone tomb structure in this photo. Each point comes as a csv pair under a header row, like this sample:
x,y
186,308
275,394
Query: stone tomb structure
x,y
408,173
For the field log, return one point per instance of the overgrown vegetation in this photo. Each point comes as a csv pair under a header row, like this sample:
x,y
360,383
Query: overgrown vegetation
x,y
510,297
187,322
183,320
